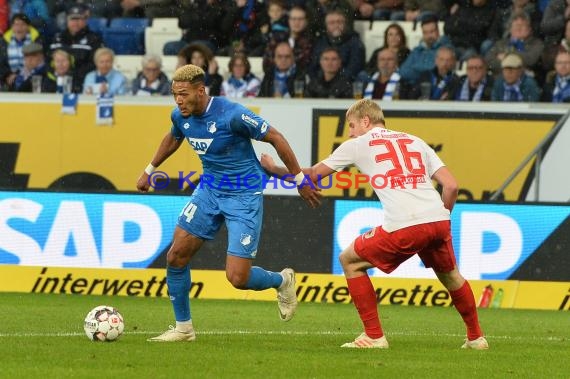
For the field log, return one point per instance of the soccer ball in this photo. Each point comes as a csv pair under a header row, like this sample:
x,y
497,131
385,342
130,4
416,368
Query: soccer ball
x,y
103,323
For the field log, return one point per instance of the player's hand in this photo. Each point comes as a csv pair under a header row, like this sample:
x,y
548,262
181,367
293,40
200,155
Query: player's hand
x,y
267,162
143,184
311,194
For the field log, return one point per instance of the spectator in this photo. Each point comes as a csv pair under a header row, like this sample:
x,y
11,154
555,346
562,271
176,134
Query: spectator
x,y
95,8
520,41
378,9
468,26
422,57
556,16
557,86
242,22
4,16
330,81
151,8
275,20
513,84
151,80
242,82
318,9
78,40
5,71
34,66
200,55
280,80
385,83
104,79
298,37
61,70
550,51
500,28
339,36
395,40
442,78
36,11
20,33
207,14
417,10
476,85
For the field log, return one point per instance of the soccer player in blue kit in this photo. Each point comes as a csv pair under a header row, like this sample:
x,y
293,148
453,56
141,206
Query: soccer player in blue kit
x,y
230,191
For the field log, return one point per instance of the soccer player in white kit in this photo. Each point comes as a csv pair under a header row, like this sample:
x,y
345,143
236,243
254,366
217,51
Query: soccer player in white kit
x,y
416,217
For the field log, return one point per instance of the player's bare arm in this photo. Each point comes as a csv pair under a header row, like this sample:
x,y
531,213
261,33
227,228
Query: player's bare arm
x,y
166,148
315,173
450,189
310,194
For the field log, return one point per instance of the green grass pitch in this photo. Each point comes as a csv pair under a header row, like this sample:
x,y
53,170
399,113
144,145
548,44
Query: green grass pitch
x,y
41,336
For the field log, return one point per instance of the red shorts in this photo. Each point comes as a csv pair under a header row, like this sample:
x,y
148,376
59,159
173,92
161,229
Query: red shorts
x,y
431,241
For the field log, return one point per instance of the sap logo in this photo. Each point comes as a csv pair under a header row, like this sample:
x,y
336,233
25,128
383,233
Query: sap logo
x,y
477,259
249,120
200,145
67,235
264,127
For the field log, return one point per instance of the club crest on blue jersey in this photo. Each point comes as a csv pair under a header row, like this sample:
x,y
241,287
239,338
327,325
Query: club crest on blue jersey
x,y
200,145
186,125
249,120
211,127
245,239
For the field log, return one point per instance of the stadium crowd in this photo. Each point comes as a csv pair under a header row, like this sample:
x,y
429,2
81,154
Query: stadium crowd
x,y
470,50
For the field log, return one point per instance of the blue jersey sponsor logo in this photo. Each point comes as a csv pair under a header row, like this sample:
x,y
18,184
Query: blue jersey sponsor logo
x,y
249,120
200,145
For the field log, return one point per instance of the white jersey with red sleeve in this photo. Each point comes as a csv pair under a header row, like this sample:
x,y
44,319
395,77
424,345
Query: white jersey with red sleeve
x,y
399,167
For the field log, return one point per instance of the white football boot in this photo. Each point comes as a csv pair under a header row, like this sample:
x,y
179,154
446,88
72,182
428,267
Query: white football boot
x,y
286,295
365,342
478,344
173,335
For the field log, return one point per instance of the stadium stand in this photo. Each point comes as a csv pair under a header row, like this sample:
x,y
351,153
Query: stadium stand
x,y
130,65
97,24
255,62
126,35
372,33
169,64
161,31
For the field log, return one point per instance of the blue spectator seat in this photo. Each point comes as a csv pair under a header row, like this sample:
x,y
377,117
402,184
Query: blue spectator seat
x,y
97,24
125,36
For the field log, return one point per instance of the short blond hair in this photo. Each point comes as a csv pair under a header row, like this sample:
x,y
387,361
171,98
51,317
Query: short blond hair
x,y
189,73
366,107
103,51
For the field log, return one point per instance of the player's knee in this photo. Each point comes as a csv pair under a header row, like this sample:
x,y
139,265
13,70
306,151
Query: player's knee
x,y
177,258
237,279
343,258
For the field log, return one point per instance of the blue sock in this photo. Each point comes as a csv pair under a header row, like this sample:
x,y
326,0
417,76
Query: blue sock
x,y
260,279
178,281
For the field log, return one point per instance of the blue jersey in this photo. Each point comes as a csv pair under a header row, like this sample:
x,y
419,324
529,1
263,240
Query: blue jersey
x,y
221,137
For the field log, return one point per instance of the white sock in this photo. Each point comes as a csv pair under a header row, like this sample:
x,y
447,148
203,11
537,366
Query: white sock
x,y
184,326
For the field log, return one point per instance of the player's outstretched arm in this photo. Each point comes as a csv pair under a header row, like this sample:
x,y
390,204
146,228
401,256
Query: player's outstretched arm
x,y
166,148
268,163
309,193
450,189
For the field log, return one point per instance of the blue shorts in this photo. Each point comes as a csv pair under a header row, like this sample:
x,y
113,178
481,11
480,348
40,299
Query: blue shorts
x,y
206,210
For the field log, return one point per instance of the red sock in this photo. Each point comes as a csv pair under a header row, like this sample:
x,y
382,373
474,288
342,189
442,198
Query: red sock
x,y
464,302
364,299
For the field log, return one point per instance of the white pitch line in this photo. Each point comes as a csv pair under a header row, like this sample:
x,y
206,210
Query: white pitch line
x,y
293,333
